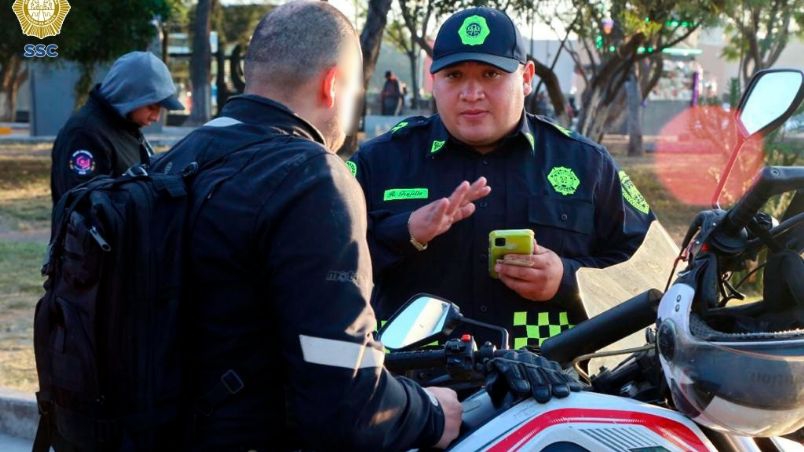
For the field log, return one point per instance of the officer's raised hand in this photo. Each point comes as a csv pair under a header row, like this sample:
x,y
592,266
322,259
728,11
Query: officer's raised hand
x,y
434,219
539,280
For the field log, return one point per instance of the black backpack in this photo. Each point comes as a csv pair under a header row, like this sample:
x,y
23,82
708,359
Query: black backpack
x,y
107,332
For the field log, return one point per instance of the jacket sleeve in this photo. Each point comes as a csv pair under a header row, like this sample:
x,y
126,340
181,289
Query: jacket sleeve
x,y
622,219
78,156
388,234
319,276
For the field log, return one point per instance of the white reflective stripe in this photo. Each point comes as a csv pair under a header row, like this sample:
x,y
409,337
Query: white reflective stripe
x,y
330,352
222,121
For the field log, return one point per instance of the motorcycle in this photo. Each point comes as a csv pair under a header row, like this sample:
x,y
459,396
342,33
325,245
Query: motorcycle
x,y
638,405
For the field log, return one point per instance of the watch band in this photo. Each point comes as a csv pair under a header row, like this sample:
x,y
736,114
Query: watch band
x,y
416,244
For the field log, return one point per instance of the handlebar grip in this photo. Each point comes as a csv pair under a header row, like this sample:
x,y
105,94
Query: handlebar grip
x,y
771,181
604,329
422,359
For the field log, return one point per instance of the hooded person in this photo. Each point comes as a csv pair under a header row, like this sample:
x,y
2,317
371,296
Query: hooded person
x,y
104,136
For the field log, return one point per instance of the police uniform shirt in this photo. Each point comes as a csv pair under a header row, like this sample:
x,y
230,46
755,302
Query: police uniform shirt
x,y
564,187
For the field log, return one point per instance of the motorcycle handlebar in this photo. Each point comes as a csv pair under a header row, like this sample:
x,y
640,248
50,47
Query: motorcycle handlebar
x,y
421,359
771,181
604,329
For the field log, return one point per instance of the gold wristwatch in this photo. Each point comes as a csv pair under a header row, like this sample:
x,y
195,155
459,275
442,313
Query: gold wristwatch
x,y
416,244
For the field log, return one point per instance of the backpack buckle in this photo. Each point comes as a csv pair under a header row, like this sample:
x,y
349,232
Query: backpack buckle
x,y
232,382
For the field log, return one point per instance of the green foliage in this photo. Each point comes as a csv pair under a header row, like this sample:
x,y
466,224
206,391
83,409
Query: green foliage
x,y
239,21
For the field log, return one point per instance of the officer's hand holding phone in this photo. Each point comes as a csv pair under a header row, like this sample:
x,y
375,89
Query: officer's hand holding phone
x,y
535,277
434,219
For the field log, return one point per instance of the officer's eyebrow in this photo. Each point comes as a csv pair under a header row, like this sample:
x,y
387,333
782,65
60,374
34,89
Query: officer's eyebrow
x,y
295,42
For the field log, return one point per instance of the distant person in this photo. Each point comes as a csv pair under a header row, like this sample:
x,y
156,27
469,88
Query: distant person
x,y
391,95
104,136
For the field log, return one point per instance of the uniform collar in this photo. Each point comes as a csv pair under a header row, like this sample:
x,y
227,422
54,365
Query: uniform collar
x,y
441,139
258,110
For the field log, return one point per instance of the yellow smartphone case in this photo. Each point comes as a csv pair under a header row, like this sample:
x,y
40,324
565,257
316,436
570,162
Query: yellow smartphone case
x,y
508,241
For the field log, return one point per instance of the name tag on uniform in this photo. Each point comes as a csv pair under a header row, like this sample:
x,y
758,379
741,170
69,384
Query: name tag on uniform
x,y
397,194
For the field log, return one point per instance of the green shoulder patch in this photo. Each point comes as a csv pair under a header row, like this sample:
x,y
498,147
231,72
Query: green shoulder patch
x,y
632,195
399,126
352,167
532,142
563,180
436,146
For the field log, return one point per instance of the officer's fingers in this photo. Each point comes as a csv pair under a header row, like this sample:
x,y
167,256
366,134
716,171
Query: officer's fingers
x,y
545,260
525,274
437,210
517,285
464,212
478,190
457,197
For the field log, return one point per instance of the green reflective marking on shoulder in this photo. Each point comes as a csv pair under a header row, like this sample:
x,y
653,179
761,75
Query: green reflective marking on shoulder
x,y
562,129
352,167
529,136
632,195
401,125
437,145
563,180
396,194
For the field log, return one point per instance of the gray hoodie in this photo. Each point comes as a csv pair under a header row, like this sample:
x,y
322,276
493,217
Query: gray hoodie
x,y
138,79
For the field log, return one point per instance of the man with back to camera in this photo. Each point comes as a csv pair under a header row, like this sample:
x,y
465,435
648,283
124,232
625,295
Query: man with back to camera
x,y
426,235
105,136
281,348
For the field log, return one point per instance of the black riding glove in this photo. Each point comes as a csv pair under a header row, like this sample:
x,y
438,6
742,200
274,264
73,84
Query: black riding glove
x,y
525,374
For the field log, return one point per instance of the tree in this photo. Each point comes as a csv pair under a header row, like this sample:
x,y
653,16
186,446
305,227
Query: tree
x,y
370,42
760,30
85,40
200,62
622,38
398,34
12,70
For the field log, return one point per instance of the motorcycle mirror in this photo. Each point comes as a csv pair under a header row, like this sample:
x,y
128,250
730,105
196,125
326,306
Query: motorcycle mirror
x,y
771,98
424,318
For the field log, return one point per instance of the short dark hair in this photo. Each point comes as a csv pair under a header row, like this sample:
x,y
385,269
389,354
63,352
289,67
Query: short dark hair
x,y
296,41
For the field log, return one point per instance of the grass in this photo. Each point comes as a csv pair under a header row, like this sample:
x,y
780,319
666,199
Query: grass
x,y
20,288
24,193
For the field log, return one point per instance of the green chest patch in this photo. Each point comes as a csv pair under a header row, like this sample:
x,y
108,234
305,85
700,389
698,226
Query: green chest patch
x,y
563,180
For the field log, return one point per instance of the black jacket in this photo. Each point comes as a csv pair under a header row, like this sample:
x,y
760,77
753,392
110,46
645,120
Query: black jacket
x,y
95,140
280,279
564,187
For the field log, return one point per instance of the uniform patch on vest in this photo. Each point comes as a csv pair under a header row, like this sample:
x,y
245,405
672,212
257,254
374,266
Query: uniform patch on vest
x,y
82,162
562,129
563,180
352,167
396,194
532,142
632,195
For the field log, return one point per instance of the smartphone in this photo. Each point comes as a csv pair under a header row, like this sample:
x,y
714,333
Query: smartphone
x,y
508,241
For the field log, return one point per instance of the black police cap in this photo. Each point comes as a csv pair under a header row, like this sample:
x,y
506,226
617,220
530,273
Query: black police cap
x,y
479,34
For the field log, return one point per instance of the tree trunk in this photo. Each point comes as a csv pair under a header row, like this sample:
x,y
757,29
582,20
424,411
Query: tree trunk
x,y
633,100
370,41
550,81
414,79
12,74
200,62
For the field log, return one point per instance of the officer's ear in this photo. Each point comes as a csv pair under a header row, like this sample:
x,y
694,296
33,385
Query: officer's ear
x,y
528,73
328,86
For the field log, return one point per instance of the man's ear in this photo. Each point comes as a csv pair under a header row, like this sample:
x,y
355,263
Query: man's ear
x,y
328,84
527,77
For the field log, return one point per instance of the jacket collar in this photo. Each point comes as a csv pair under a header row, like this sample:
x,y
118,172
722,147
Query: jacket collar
x,y
258,110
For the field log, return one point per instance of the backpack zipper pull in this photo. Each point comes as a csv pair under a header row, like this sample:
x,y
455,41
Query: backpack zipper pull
x,y
99,238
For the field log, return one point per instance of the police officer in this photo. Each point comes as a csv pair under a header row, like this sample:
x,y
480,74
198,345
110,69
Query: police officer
x,y
281,346
426,235
104,136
